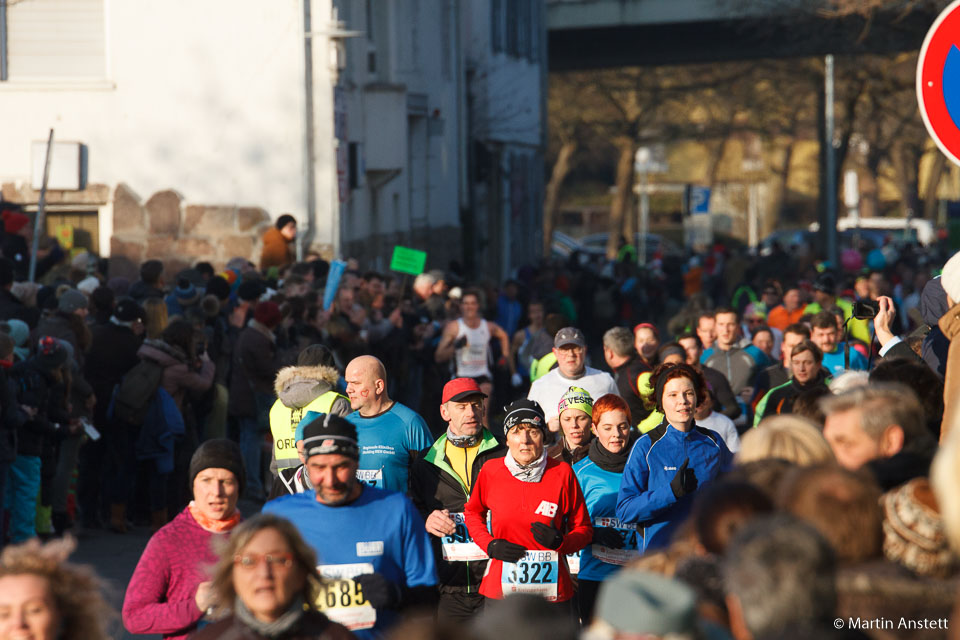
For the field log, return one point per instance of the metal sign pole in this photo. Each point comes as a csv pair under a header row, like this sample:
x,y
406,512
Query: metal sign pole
x,y
38,220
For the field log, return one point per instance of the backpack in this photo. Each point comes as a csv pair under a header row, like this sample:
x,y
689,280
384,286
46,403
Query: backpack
x,y
135,392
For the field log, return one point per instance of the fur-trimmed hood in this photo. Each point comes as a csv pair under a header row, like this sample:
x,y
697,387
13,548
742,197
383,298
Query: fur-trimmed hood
x,y
299,386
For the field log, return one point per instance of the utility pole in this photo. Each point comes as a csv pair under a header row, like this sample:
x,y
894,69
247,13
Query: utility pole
x,y
831,161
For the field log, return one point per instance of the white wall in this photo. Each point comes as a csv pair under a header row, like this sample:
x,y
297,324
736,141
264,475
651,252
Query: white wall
x,y
202,96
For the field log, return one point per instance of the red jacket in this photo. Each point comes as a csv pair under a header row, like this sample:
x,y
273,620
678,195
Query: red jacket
x,y
515,505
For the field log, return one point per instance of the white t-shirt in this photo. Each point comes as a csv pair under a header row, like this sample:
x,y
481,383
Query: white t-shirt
x,y
549,389
723,426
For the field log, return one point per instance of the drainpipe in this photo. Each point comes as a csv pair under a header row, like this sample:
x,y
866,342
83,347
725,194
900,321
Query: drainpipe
x,y
310,152
3,40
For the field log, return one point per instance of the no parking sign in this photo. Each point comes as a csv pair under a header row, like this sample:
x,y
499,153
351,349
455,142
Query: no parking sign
x,y
938,82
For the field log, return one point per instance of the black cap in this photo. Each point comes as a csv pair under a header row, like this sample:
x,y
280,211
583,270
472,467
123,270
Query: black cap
x,y
127,310
250,290
524,411
329,433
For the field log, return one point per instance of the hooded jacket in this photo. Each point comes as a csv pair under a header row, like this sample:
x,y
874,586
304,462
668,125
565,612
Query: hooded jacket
x,y
178,376
933,304
299,390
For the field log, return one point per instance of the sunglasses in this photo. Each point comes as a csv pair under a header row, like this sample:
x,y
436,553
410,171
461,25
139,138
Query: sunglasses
x,y
251,561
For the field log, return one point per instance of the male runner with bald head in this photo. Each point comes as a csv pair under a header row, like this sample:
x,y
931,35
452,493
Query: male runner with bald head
x,y
390,434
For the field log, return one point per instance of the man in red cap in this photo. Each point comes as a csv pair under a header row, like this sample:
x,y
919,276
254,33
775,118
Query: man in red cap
x,y
440,483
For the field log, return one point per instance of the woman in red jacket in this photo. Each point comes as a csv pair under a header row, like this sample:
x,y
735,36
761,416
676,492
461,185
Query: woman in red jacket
x,y
538,513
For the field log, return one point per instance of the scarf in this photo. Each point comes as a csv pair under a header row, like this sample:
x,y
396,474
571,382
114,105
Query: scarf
x,y
607,460
214,526
463,442
274,629
529,472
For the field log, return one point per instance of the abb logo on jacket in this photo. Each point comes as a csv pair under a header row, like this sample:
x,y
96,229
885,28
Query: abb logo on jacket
x,y
548,509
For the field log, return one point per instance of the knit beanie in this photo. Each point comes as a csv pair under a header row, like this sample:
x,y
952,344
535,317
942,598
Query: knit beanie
x,y
268,314
71,300
913,531
128,310
950,278
50,353
524,411
219,453
19,331
210,305
185,292
662,381
576,398
219,287
328,433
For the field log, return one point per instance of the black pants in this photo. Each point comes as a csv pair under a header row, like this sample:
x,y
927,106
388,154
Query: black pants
x,y
459,607
586,599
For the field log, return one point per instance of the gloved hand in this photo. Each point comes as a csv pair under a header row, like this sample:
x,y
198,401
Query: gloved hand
x,y
516,380
546,535
460,343
505,550
608,537
379,592
684,481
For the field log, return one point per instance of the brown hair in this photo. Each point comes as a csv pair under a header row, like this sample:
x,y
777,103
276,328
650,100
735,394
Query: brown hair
x,y
843,505
722,510
807,345
76,590
303,557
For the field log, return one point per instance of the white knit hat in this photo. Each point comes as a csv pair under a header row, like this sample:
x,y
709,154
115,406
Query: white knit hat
x,y
950,278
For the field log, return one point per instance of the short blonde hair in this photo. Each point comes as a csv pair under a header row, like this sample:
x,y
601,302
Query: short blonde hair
x,y
76,590
303,557
788,437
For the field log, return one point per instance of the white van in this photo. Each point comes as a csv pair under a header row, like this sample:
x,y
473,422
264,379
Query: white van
x,y
917,229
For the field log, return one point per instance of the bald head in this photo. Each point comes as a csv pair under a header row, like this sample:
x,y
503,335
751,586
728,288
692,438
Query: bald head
x,y
367,385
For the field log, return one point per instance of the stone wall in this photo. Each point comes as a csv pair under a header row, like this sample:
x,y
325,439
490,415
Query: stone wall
x,y
180,234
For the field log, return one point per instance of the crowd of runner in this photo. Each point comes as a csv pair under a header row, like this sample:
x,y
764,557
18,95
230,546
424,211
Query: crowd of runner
x,y
731,446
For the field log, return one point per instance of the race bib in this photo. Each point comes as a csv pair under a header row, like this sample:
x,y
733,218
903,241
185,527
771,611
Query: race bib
x,y
573,563
631,539
460,547
536,573
342,599
371,477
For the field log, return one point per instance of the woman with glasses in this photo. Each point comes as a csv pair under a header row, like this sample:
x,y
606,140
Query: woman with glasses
x,y
266,585
169,592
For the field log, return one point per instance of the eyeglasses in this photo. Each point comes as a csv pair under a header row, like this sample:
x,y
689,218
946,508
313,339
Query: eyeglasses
x,y
251,561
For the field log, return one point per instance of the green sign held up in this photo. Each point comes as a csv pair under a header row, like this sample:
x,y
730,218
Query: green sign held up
x,y
409,261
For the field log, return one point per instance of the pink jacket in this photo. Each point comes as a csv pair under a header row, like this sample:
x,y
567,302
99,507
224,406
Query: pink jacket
x,y
160,596
177,378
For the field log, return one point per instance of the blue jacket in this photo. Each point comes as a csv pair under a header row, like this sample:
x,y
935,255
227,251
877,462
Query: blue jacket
x,y
645,496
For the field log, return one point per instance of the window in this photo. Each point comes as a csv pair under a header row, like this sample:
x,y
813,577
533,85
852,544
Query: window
x,y
53,40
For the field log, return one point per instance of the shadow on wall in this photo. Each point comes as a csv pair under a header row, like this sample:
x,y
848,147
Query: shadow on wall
x,y
179,234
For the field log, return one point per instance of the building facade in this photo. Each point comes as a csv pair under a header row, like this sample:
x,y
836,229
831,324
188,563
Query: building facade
x,y
373,122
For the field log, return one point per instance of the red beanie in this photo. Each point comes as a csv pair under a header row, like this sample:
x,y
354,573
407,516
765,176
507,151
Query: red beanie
x,y
268,314
13,221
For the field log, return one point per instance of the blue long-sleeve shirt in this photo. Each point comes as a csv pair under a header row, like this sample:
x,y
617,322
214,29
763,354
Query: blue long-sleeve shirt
x,y
645,496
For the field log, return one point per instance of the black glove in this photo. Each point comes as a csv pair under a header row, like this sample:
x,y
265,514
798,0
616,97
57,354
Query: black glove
x,y
505,550
608,537
379,592
460,343
546,535
684,482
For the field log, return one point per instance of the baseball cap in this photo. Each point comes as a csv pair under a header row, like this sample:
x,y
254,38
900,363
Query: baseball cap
x,y
569,335
825,282
460,389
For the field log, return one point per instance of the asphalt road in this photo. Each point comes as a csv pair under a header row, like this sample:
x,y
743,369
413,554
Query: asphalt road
x,y
115,556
